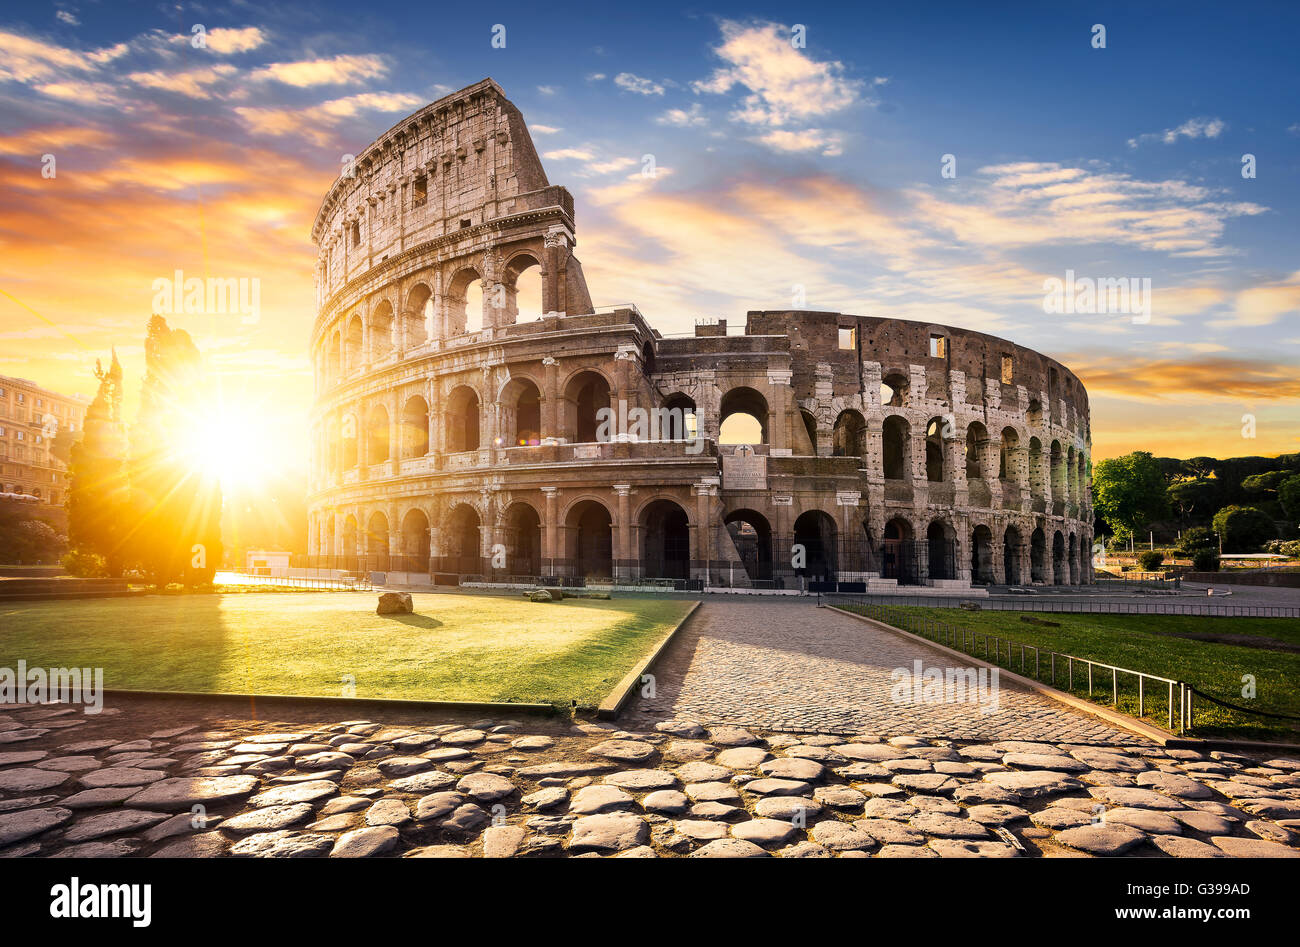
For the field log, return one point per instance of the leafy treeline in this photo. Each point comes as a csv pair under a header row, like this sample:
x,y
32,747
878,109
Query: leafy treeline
x,y
1243,501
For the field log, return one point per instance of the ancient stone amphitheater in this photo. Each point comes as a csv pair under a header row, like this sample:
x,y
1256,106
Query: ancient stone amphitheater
x,y
454,437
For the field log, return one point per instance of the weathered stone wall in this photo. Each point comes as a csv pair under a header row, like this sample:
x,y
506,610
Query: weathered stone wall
x,y
477,449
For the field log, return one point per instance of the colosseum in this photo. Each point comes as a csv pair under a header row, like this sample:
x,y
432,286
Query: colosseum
x,y
458,438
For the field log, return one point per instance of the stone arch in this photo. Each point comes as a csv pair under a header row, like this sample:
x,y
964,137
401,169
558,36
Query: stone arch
x,y
464,289
941,549
381,330
461,540
1008,468
737,404
849,435
522,528
808,442
1012,551
897,551
1037,556
377,541
894,390
1059,576
461,420
518,264
377,446
350,548
354,343
751,534
521,412
586,395
588,539
816,532
679,422
415,427
977,437
349,450
417,315
1072,557
981,555
665,540
415,540
896,436
934,460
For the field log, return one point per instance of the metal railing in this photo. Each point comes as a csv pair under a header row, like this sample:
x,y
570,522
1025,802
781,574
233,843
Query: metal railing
x,y
969,642
1058,604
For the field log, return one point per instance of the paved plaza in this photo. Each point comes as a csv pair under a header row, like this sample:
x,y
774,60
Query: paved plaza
x,y
788,665
710,766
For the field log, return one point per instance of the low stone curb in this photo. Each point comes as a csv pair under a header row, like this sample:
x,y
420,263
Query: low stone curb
x,y
393,703
614,702
1077,703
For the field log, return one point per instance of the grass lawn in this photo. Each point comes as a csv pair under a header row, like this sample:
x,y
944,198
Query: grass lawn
x,y
1152,644
455,647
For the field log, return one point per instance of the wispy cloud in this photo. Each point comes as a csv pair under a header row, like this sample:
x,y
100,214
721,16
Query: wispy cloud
x,y
1192,128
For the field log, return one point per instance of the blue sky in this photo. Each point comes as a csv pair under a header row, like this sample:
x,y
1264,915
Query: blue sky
x,y
778,166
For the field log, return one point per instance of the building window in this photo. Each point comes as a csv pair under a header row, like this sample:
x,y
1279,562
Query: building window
x,y
938,346
356,233
420,192
848,338
1008,373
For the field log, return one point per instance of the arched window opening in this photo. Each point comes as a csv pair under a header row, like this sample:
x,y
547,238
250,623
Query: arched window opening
x,y
743,417
462,423
586,406
464,303
942,548
894,443
590,540
521,295
752,536
381,331
815,532
981,555
976,438
666,541
415,428
850,435
523,541
377,448
462,542
418,316
934,450
893,390
1012,548
678,421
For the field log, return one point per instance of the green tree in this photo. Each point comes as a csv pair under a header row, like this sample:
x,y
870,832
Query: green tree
x,y
25,538
176,507
1129,492
1188,495
1265,483
1243,528
1288,494
98,500
1197,539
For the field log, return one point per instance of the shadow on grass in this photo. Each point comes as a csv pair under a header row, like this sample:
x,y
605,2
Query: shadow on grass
x,y
415,621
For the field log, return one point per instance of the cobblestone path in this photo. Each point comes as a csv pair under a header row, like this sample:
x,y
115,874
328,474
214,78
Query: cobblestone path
x,y
796,667
168,778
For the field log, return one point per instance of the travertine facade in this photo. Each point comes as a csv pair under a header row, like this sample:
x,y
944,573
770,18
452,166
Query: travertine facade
x,y
884,451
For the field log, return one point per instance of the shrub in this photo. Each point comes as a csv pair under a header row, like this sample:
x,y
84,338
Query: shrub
x,y
1150,560
1196,539
84,565
1205,560
1243,528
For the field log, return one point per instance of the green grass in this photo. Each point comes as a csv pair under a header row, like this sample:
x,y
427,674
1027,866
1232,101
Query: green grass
x,y
1147,643
455,647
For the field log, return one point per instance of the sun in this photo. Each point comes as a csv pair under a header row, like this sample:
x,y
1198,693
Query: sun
x,y
231,442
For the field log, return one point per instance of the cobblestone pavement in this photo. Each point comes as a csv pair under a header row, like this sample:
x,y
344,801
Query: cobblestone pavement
x,y
185,778
795,667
